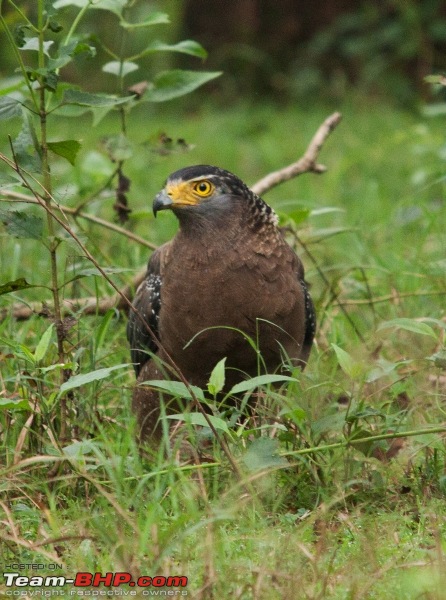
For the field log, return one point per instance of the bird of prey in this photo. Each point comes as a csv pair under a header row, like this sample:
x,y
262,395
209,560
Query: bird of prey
x,y
227,274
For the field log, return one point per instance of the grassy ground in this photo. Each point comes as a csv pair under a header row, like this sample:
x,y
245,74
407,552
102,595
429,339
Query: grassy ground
x,y
363,521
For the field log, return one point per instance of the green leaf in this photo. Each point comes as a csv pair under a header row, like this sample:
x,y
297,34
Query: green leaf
x,y
439,359
120,69
262,454
33,44
114,6
44,344
409,325
251,384
80,98
175,388
217,378
184,47
175,83
68,149
7,180
27,148
22,224
10,107
10,404
14,286
195,418
68,52
351,368
156,18
84,378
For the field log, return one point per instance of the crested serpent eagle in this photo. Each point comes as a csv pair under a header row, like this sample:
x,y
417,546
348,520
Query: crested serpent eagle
x,y
228,273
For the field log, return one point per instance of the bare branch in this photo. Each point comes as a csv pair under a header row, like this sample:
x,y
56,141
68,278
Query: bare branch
x,y
305,164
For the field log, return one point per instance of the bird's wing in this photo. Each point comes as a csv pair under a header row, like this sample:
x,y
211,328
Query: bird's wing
x,y
147,303
310,320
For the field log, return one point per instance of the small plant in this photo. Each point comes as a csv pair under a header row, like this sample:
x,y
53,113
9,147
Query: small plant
x,y
43,50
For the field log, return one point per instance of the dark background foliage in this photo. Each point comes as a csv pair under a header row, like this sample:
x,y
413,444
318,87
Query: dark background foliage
x,y
289,49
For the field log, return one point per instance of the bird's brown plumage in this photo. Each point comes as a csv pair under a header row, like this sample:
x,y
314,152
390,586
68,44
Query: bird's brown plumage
x,y
226,273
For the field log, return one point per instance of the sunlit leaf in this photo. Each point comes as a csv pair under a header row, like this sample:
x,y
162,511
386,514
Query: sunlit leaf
x,y
175,388
217,378
80,380
120,69
156,18
175,83
200,419
251,384
409,325
44,343
348,364
33,44
184,47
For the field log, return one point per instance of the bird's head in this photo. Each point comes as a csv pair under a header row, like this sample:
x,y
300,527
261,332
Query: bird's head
x,y
197,187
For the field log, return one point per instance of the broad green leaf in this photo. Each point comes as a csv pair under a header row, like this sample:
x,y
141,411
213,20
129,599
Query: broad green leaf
x,y
10,404
175,83
175,388
68,52
262,454
195,418
251,384
329,423
68,149
156,18
409,325
217,378
114,6
80,380
350,367
94,100
44,344
14,286
9,107
27,148
7,180
120,69
22,224
184,47
33,44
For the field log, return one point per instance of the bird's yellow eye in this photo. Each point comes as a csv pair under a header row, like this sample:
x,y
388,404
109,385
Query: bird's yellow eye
x,y
203,188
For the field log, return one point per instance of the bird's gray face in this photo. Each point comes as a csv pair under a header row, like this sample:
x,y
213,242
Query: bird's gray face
x,y
197,186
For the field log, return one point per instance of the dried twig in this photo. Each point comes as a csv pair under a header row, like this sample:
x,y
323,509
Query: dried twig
x,y
305,164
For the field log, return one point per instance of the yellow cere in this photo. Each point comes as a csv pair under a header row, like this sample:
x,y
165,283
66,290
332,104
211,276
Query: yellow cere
x,y
189,192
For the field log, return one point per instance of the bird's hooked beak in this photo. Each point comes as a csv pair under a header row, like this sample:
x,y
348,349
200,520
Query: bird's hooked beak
x,y
162,202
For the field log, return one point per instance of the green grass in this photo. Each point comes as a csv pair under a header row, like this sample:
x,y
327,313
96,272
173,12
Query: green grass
x,y
360,522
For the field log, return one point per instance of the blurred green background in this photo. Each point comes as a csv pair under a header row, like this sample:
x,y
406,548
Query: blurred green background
x,y
285,50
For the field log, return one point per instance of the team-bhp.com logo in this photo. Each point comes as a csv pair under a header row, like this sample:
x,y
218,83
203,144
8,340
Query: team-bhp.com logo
x,y
96,580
